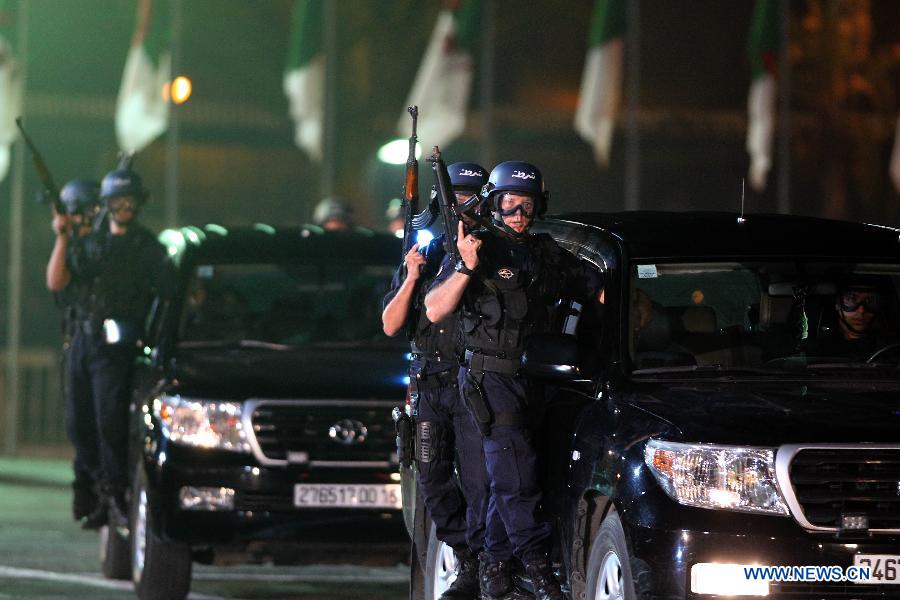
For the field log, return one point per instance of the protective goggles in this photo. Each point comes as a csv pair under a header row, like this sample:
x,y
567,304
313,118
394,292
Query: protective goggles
x,y
526,208
123,203
851,301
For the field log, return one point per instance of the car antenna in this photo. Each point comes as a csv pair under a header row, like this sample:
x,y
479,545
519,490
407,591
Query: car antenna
x,y
741,220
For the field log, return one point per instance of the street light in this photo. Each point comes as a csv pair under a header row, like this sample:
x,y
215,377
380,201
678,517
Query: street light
x,y
395,152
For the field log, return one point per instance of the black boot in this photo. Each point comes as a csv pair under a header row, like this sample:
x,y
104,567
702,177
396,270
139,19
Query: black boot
x,y
84,499
117,508
497,581
465,586
97,517
546,587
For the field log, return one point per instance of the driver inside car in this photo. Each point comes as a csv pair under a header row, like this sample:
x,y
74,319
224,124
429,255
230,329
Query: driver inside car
x,y
860,328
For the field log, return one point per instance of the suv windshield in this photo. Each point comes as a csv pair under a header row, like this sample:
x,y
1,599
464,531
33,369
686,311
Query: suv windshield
x,y
286,304
764,317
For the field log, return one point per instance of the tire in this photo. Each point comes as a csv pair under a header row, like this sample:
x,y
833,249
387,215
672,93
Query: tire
x,y
160,570
416,575
115,554
440,570
609,573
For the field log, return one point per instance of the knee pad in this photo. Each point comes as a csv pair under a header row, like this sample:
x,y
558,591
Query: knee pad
x,y
433,442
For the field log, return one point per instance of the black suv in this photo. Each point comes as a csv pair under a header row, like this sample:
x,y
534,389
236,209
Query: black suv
x,y
694,434
261,427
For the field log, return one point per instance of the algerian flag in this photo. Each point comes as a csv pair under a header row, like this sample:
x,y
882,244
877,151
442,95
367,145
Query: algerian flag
x,y
11,83
761,100
601,83
142,109
895,160
304,77
442,85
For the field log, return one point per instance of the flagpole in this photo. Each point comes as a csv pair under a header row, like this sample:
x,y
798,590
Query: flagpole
x,y
784,109
172,136
632,146
16,237
329,39
488,54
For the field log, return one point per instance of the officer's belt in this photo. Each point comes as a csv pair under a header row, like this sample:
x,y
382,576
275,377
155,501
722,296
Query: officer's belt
x,y
430,381
476,361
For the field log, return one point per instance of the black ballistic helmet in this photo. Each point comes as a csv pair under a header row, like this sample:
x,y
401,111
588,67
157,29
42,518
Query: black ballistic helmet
x,y
467,176
518,177
80,196
122,182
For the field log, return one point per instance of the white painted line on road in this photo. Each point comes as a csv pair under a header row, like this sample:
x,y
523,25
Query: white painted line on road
x,y
304,578
91,580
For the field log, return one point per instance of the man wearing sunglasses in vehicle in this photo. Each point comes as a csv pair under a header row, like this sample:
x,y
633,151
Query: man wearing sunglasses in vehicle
x,y
860,306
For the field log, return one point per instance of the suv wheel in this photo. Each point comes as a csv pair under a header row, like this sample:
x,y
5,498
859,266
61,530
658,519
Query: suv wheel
x,y
160,570
609,572
440,572
114,554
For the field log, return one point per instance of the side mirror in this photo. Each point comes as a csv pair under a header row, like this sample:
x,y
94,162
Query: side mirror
x,y
552,356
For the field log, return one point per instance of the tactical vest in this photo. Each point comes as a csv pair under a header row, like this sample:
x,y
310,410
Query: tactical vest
x,y
511,295
435,342
117,275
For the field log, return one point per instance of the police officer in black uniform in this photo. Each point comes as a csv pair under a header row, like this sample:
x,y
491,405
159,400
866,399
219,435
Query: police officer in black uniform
x,y
80,198
116,272
507,288
442,422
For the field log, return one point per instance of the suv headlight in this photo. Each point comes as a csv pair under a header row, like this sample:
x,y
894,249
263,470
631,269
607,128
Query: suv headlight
x,y
202,423
709,476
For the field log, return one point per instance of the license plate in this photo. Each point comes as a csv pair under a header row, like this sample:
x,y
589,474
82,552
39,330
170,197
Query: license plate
x,y
332,495
885,567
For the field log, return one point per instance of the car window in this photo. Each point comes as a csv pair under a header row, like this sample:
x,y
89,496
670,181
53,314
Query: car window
x,y
761,315
292,304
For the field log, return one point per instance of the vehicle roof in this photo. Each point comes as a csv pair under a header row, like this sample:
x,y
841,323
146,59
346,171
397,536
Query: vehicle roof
x,y
261,242
658,234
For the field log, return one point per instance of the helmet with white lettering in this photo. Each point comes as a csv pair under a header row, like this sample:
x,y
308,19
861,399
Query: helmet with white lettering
x,y
467,176
517,177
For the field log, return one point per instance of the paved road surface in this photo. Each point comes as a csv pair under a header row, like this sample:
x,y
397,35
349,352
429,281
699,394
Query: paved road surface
x,y
43,554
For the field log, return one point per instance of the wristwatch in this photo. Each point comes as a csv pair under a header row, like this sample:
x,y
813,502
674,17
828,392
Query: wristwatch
x,y
461,267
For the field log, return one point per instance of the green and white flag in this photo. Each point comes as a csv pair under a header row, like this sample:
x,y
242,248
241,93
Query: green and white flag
x,y
895,159
304,76
443,83
11,83
763,49
142,109
600,99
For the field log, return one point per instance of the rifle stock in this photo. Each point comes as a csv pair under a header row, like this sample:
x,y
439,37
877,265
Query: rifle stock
x,y
51,190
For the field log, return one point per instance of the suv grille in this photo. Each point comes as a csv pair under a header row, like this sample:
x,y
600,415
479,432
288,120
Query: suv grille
x,y
284,429
828,482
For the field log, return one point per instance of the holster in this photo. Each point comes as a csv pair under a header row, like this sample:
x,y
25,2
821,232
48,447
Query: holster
x,y
403,427
474,397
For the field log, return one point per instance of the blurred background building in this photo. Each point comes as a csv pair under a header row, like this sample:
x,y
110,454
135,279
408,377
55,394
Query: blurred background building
x,y
229,154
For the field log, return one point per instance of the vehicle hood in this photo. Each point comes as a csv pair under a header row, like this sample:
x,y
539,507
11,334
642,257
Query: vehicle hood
x,y
770,414
318,372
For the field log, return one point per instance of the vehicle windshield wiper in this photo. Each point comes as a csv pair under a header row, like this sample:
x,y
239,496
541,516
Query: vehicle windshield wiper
x,y
716,368
235,344
853,365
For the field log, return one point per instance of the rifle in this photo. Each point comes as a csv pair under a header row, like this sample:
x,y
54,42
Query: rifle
x,y
411,186
447,203
51,190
